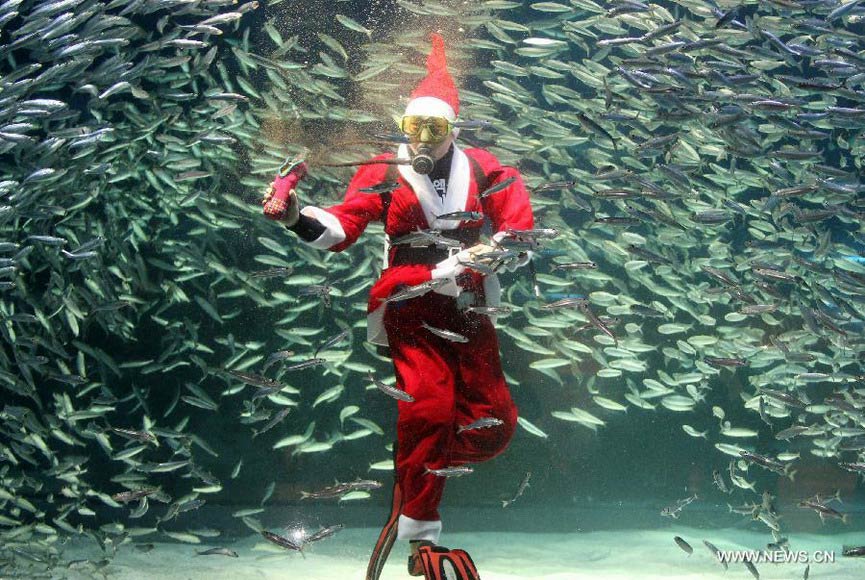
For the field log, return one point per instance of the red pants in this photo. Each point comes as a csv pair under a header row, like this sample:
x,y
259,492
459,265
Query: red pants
x,y
453,384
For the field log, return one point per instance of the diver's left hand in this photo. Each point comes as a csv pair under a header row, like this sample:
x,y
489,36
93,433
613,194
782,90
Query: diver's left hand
x,y
522,259
448,269
476,252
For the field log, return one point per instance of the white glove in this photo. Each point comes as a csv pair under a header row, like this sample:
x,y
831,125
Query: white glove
x,y
448,269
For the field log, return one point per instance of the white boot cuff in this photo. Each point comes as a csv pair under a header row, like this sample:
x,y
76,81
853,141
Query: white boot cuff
x,y
411,529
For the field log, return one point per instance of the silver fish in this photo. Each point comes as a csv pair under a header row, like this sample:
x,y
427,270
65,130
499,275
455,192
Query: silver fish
x,y
686,547
340,489
276,357
520,490
450,471
490,310
469,216
537,233
445,334
271,273
280,415
390,391
719,482
282,541
381,187
218,552
482,423
323,533
309,363
415,291
575,266
716,553
673,511
500,186
336,339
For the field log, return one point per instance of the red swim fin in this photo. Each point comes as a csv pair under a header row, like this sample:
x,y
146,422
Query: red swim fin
x,y
443,564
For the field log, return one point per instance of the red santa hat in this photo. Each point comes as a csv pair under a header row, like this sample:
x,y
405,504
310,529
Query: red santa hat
x,y
436,95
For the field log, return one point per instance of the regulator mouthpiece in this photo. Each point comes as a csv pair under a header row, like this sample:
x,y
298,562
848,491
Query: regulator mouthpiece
x,y
422,162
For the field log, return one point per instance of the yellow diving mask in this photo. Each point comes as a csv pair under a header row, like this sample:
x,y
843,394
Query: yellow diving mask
x,y
423,129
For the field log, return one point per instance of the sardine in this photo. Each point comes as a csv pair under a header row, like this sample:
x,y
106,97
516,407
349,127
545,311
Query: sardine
x,y
381,187
282,541
340,489
445,334
415,291
520,490
323,533
500,186
218,552
686,547
469,216
450,471
390,391
482,423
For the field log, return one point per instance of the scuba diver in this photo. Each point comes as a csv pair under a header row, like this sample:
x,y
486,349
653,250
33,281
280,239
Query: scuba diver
x,y
434,304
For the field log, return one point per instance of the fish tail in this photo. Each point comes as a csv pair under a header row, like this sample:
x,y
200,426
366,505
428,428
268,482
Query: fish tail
x,y
506,503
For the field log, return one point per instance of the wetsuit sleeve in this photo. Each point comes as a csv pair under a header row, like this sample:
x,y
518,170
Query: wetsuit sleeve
x,y
308,229
339,226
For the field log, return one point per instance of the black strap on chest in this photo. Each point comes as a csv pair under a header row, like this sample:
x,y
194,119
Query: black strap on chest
x,y
390,176
405,254
481,178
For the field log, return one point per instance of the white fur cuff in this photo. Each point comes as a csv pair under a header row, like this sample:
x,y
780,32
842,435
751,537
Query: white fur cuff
x,y
411,529
333,233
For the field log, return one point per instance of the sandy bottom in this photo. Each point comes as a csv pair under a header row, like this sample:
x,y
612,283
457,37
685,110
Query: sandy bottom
x,y
637,554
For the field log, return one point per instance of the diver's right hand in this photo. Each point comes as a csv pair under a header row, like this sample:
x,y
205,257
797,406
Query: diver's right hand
x,y
280,205
280,200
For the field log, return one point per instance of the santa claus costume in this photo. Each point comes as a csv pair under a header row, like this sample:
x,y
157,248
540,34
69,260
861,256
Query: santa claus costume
x,y
452,383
